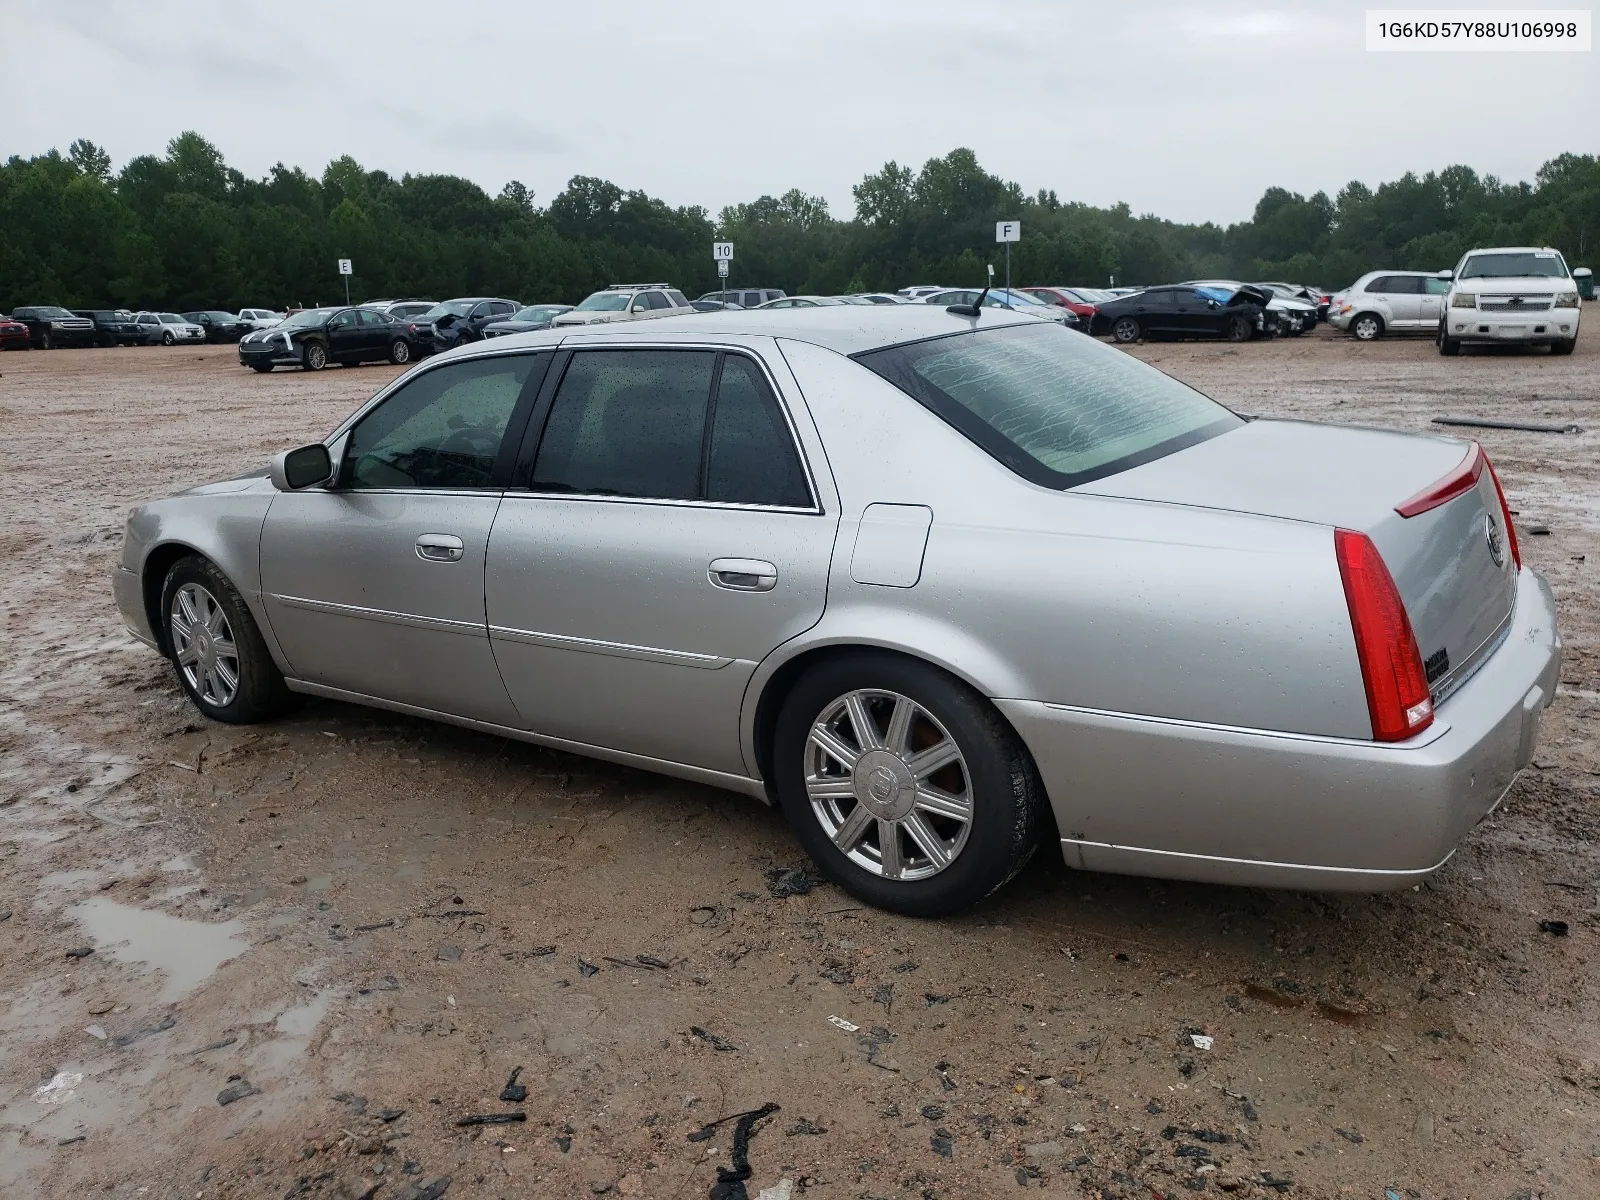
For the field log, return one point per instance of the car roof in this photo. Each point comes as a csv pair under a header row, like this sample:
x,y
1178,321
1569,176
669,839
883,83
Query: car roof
x,y
842,328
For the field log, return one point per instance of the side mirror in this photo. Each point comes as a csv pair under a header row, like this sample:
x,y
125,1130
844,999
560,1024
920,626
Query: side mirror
x,y
1447,274
306,467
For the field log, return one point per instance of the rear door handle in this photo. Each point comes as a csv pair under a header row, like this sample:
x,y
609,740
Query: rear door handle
x,y
743,574
439,547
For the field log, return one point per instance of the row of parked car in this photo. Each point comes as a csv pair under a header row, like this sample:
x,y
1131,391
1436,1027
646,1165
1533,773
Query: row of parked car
x,y
50,327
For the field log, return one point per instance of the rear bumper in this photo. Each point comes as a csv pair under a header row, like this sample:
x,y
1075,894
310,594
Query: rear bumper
x,y
1182,800
1475,325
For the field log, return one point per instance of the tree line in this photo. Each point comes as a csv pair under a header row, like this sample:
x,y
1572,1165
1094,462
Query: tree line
x,y
185,231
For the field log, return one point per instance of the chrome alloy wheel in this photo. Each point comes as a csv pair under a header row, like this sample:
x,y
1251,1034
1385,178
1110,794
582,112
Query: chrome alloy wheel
x,y
888,784
203,644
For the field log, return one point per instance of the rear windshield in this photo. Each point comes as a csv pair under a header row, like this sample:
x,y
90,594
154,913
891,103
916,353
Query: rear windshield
x,y
1508,266
1056,407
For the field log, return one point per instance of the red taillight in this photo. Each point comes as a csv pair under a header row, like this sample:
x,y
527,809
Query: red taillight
x,y
1463,479
1505,516
1391,667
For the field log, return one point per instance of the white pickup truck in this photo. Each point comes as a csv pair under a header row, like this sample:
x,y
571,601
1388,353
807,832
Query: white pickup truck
x,y
1510,294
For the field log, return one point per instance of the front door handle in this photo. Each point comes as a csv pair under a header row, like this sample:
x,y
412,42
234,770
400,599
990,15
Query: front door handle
x,y
439,547
743,574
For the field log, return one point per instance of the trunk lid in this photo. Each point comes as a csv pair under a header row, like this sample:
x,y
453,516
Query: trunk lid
x,y
1451,564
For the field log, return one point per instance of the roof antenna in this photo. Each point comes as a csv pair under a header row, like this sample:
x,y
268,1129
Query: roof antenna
x,y
975,308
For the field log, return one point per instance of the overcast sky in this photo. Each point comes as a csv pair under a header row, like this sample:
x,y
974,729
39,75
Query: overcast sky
x,y
1187,110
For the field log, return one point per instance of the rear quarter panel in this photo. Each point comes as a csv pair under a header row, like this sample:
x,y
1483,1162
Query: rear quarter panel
x,y
1119,605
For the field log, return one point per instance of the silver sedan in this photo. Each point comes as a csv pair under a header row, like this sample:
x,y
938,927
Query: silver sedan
x,y
942,586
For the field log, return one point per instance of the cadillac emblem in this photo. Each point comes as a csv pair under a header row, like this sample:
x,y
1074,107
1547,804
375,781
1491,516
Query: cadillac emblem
x,y
1497,543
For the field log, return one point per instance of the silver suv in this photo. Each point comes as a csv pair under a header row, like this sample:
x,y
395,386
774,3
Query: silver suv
x,y
1383,302
627,302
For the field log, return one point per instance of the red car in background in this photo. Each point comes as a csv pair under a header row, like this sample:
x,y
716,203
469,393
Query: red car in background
x,y
14,335
1072,299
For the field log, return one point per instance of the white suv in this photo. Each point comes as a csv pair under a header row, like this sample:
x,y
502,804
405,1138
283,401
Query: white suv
x,y
1510,294
627,302
1383,302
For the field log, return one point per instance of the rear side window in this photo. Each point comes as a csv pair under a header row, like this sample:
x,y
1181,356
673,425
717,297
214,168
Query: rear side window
x,y
669,425
627,423
752,458
441,430
677,298
1057,408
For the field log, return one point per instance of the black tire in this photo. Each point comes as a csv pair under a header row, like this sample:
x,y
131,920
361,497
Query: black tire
x,y
1564,346
1239,329
44,341
1125,330
1007,797
167,339
262,367
399,351
314,356
260,691
1366,327
1448,346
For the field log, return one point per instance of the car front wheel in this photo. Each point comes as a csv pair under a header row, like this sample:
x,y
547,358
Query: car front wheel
x,y
1448,346
399,351
1125,329
216,648
263,368
1564,346
315,356
904,785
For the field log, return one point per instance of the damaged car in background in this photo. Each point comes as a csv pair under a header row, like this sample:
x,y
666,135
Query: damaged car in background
x,y
1235,312
314,337
1254,652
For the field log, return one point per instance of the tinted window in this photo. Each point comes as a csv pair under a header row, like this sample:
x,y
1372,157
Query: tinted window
x,y
752,457
441,430
1057,408
502,308
657,300
627,423
677,298
1397,285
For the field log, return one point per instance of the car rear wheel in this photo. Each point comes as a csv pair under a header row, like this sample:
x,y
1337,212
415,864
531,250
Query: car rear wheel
x,y
216,649
1239,329
399,351
1564,346
315,356
1125,329
1367,327
904,785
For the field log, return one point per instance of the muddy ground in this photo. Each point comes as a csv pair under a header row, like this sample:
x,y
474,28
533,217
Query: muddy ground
x,y
359,923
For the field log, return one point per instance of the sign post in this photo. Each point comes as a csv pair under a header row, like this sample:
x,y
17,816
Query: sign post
x,y
722,255
346,270
1008,232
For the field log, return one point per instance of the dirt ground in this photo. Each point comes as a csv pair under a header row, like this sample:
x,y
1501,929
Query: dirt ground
x,y
359,923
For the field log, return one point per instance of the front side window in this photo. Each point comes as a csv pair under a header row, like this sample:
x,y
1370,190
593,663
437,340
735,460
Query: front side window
x,y
441,430
1056,408
1435,287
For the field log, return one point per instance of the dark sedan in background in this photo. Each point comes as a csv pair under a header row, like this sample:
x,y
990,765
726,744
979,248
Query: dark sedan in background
x,y
526,320
314,337
50,325
1184,312
112,326
458,322
222,328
